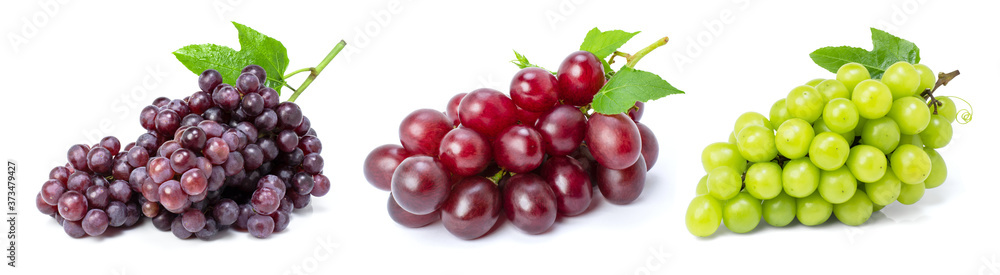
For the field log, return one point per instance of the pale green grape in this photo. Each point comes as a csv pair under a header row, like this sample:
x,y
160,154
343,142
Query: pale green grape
x,y
732,138
872,98
805,102
837,186
813,210
938,132
779,211
910,114
911,139
821,127
704,215
829,151
778,113
939,170
763,180
885,190
902,79
910,164
742,213
867,163
861,126
722,154
724,183
831,88
927,78
883,133
702,187
750,118
793,138
947,108
756,143
876,207
799,178
851,74
815,82
911,193
856,210
840,115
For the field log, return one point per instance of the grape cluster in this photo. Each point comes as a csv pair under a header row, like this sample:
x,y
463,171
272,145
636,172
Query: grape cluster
x,y
843,147
534,155
226,156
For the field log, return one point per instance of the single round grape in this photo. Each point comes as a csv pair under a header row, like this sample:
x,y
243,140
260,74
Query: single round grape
x,y
650,147
724,183
613,140
820,127
793,138
939,170
885,190
751,118
872,98
422,130
938,132
910,163
779,211
225,212
72,205
420,185
452,109
517,149
51,191
829,151
98,196
321,187
267,120
260,226
95,223
534,89
902,79
290,115
742,213
805,102
763,180
529,203
171,196
867,163
704,214
308,144
911,139
636,111
265,201
732,138
247,83
851,74
799,178
837,186
722,154
702,188
74,229
381,163
757,143
840,115
855,211
472,208
571,184
947,109
99,160
562,128
832,89
883,133
182,160
312,163
287,141
910,114
778,114
193,220
812,210
44,207
404,218
226,97
147,117
622,186
580,77
208,80
911,193
79,182
486,111
116,213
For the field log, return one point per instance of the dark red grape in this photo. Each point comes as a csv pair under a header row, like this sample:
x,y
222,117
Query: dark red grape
x,y
167,121
112,144
253,157
226,97
44,207
422,130
247,83
60,174
77,156
310,144
150,209
265,201
193,138
208,80
260,226
287,141
527,117
193,220
182,160
72,205
580,77
635,113
321,185
79,182
529,203
137,156
381,163
116,213
199,102
570,183
51,191
289,115
302,183
534,89
563,129
95,223
452,109
147,117
472,208
97,196
73,229
194,182
312,163
226,211
465,152
487,111
404,218
622,186
177,227
171,196
252,104
420,185
518,149
270,97
613,140
650,147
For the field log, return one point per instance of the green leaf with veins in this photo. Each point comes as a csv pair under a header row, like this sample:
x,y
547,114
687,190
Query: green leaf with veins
x,y
255,48
603,44
628,86
522,62
887,49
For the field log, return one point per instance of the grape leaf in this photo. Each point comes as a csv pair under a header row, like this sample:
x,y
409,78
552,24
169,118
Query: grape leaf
x,y
628,86
603,44
255,48
522,62
887,49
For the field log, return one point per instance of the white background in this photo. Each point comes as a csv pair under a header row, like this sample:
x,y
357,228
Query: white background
x,y
84,70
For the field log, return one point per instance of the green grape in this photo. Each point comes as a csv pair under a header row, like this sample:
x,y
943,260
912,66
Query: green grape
x,y
861,125
938,132
911,139
813,210
851,74
867,163
732,138
885,190
704,215
910,114
742,213
911,193
856,210
872,98
756,143
910,164
724,183
779,211
837,186
821,127
763,180
799,178
947,108
876,207
926,78
779,114
722,154
702,187
751,118
939,170
831,88
815,82
829,151
805,102
840,115
902,79
793,138
883,133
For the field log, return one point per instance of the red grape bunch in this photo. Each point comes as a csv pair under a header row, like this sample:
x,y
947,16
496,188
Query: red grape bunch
x,y
533,156
226,156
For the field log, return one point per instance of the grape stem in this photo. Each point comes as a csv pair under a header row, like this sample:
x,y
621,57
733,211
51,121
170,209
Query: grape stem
x,y
498,176
943,79
315,71
634,58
